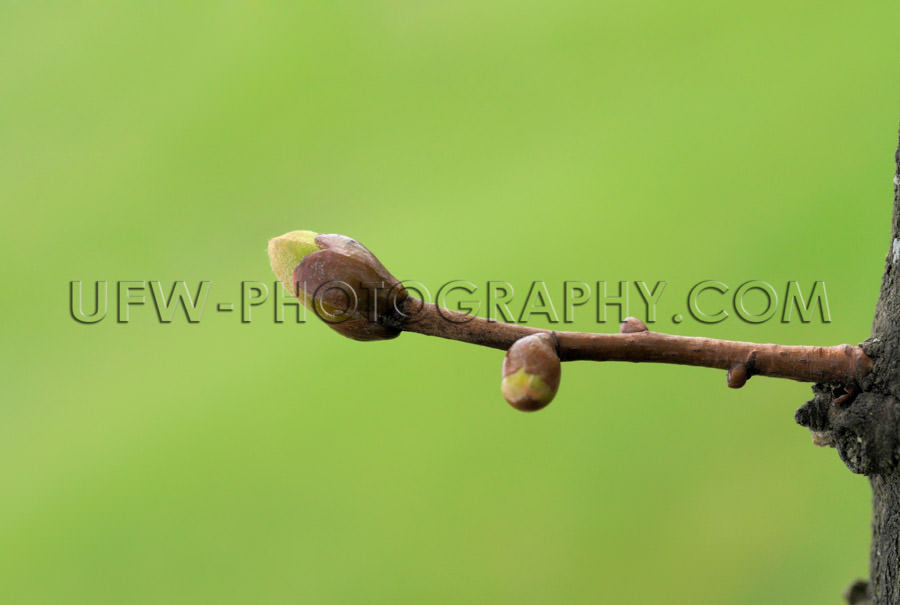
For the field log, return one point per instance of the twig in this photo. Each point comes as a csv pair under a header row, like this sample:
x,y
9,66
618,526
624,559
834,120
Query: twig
x,y
844,364
326,272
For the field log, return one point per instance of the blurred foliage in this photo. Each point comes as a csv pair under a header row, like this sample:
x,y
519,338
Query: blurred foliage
x,y
222,462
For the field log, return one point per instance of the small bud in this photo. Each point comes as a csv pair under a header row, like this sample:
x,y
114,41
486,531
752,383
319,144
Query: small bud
x,y
340,281
632,325
737,376
531,371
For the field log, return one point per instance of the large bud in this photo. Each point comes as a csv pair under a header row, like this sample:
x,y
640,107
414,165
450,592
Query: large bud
x,y
341,282
531,371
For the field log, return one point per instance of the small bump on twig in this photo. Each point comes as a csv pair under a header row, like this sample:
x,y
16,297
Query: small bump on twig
x,y
740,373
737,376
631,325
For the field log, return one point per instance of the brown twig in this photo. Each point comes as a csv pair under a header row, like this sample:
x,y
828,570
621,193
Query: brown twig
x,y
843,364
331,272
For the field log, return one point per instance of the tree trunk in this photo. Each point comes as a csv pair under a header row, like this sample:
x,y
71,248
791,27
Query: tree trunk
x,y
885,557
866,430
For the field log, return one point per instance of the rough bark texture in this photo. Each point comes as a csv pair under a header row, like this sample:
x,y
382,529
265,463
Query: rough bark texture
x,y
866,430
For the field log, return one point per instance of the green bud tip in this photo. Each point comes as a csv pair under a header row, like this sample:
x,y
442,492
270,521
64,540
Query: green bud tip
x,y
285,253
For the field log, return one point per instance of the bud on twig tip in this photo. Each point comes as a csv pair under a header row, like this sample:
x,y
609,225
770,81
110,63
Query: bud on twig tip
x,y
341,281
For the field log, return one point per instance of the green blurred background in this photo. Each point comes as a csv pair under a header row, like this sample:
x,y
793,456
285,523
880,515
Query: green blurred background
x,y
271,463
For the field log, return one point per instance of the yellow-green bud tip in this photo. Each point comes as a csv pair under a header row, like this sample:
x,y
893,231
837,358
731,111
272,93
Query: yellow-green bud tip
x,y
286,251
526,392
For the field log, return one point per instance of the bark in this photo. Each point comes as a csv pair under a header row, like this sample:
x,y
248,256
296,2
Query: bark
x,y
866,430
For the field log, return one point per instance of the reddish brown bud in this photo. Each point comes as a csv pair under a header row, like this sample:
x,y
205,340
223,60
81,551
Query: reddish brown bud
x,y
343,284
531,372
